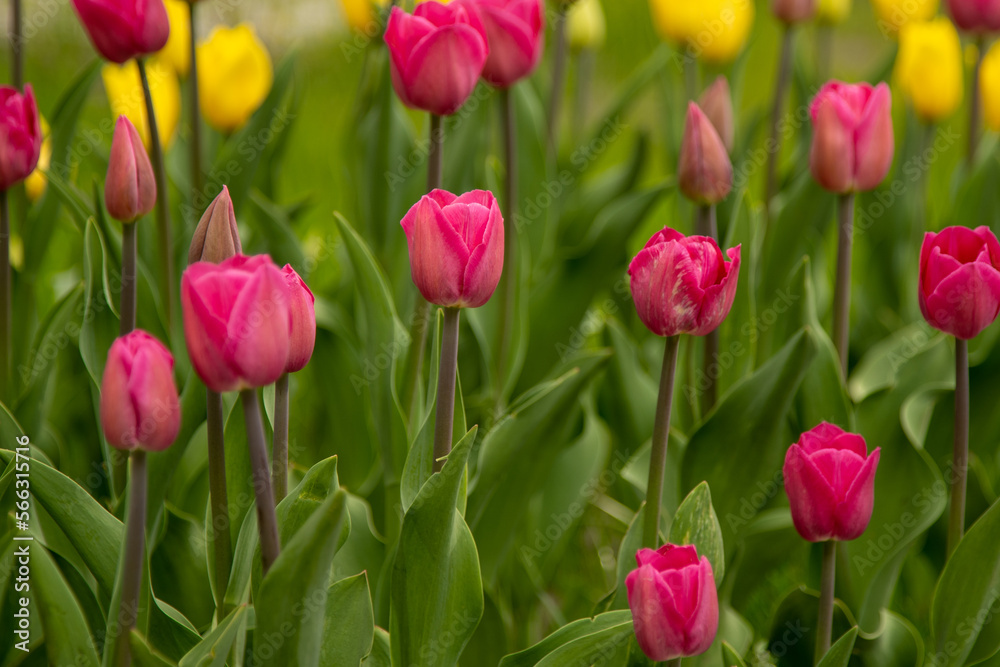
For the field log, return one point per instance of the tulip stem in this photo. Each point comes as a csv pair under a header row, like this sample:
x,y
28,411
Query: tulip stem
x,y
435,153
824,623
279,445
162,201
705,225
221,536
780,92
5,294
128,304
842,288
960,455
661,436
510,273
17,45
267,520
445,417
135,541
824,51
690,76
558,79
975,101
195,113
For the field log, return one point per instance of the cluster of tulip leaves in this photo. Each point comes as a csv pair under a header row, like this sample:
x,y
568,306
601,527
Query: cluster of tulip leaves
x,y
517,551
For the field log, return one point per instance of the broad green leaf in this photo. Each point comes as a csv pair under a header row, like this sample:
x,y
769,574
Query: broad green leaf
x,y
349,626
213,650
730,658
67,637
275,230
840,653
695,523
586,634
144,655
878,369
381,652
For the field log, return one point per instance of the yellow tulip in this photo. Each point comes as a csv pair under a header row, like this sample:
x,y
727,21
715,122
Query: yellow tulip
x,y
361,14
894,14
177,52
989,82
832,12
124,90
234,76
37,181
929,68
586,26
715,30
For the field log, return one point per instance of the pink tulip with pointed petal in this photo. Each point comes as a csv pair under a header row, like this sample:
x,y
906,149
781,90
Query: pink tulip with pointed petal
x,y
302,338
130,188
705,173
515,30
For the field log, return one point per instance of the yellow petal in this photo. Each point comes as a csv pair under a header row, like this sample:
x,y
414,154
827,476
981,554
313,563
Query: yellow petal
x,y
929,68
894,14
177,52
712,30
125,94
989,80
235,75
832,12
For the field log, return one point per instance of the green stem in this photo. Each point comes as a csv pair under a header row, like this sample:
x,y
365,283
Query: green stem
x,y
267,520
558,79
164,234
17,45
279,446
824,622
661,436
585,62
127,306
705,225
445,417
824,52
975,102
510,272
435,154
222,544
5,295
135,542
842,288
690,76
195,112
780,92
960,454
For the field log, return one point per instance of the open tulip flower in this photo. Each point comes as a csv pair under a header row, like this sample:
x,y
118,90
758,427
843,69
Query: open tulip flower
x,y
515,31
20,135
124,29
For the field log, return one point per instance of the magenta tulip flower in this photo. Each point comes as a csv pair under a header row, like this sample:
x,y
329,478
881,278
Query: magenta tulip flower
x,y
675,607
705,173
976,15
139,404
124,29
303,311
20,135
960,280
793,11
130,188
853,144
830,481
515,31
683,284
237,322
456,247
436,55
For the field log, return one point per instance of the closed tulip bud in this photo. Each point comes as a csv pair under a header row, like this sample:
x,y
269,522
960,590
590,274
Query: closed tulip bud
x,y
714,30
683,284
674,603
177,52
586,26
717,103
830,480
456,247
705,173
976,15
303,311
20,135
436,55
217,236
237,322
139,404
130,188
960,280
853,144
124,29
234,76
894,14
515,32
832,12
124,88
929,68
989,83
793,11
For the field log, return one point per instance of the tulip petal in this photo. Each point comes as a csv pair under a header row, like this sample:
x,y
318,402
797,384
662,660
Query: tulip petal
x,y
447,64
719,298
515,46
704,623
876,144
438,255
855,511
832,157
810,496
644,594
257,343
485,265
118,415
205,334
966,302
154,395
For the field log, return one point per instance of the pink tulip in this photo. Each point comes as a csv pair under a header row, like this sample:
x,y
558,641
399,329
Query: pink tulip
x,y
237,322
303,311
830,481
130,188
20,135
976,15
675,607
717,103
682,284
139,404
853,144
124,29
217,237
456,247
705,172
436,55
515,31
960,280
793,11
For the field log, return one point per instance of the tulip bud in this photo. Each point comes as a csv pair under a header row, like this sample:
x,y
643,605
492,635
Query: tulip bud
x,y
674,603
139,404
125,95
237,322
217,236
456,247
130,188
234,76
978,16
853,143
437,55
929,68
515,33
960,280
832,12
586,27
830,480
705,172
682,284
989,84
696,25
717,103
124,29
20,135
793,11
303,312
894,14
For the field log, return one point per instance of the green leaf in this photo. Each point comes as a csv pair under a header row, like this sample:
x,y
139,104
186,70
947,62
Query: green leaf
x,y
730,658
213,650
695,523
349,627
436,583
381,651
67,637
275,231
144,655
573,643
840,653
